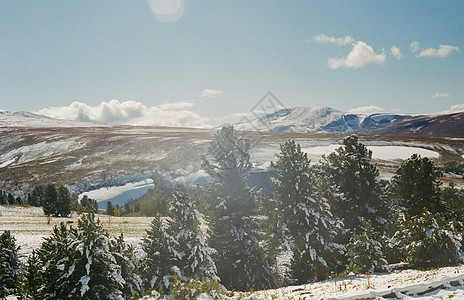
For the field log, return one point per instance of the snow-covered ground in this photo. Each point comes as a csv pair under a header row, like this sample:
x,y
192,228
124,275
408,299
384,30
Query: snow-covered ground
x,y
119,195
30,226
263,156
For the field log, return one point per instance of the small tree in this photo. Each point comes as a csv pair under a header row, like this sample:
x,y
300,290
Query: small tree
x,y
109,208
9,264
365,250
31,278
49,200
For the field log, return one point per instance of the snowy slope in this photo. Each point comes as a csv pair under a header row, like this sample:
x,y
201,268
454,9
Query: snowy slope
x,y
317,118
27,119
306,119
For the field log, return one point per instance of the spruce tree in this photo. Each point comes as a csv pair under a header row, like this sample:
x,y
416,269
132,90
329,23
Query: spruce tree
x,y
9,264
307,227
240,260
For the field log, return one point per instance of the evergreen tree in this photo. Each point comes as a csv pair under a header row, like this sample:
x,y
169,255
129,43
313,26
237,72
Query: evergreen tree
x,y
191,232
417,187
365,250
3,198
36,198
31,278
158,246
428,240
126,258
240,261
49,200
356,180
63,205
11,199
76,263
453,200
307,226
9,264
109,208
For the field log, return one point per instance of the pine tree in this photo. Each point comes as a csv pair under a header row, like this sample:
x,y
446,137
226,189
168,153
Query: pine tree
x,y
429,240
307,226
126,258
63,202
31,278
109,208
240,261
76,263
365,250
356,179
49,200
191,232
417,186
9,264
453,200
158,246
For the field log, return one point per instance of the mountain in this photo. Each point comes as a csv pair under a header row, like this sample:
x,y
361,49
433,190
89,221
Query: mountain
x,y
313,119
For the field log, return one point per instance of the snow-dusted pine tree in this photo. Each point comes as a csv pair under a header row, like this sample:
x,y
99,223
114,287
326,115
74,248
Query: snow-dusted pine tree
x,y
233,206
191,232
178,245
417,186
31,278
126,258
429,240
365,250
76,263
307,226
160,249
9,264
361,192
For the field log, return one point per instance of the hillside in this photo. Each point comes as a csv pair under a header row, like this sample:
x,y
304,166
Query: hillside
x,y
85,156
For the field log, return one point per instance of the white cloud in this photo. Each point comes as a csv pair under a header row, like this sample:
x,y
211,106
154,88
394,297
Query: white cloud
x,y
360,56
442,51
322,38
440,95
367,110
396,52
415,45
129,113
454,109
167,11
210,93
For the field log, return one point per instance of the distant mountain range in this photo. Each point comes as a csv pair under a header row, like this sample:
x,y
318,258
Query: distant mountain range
x,y
315,119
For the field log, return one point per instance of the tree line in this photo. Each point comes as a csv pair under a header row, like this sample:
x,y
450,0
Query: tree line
x,y
327,218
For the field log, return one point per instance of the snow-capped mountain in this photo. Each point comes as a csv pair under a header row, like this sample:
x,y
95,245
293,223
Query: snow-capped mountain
x,y
319,119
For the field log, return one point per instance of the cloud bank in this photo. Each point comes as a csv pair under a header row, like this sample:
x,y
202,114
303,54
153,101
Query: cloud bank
x,y
129,113
396,52
360,56
367,110
440,95
210,93
322,38
454,109
441,51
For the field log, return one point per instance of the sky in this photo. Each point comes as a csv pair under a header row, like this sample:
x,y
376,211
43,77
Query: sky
x,y
197,63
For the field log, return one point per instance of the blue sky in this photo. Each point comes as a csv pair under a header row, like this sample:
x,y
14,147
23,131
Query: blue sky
x,y
199,61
